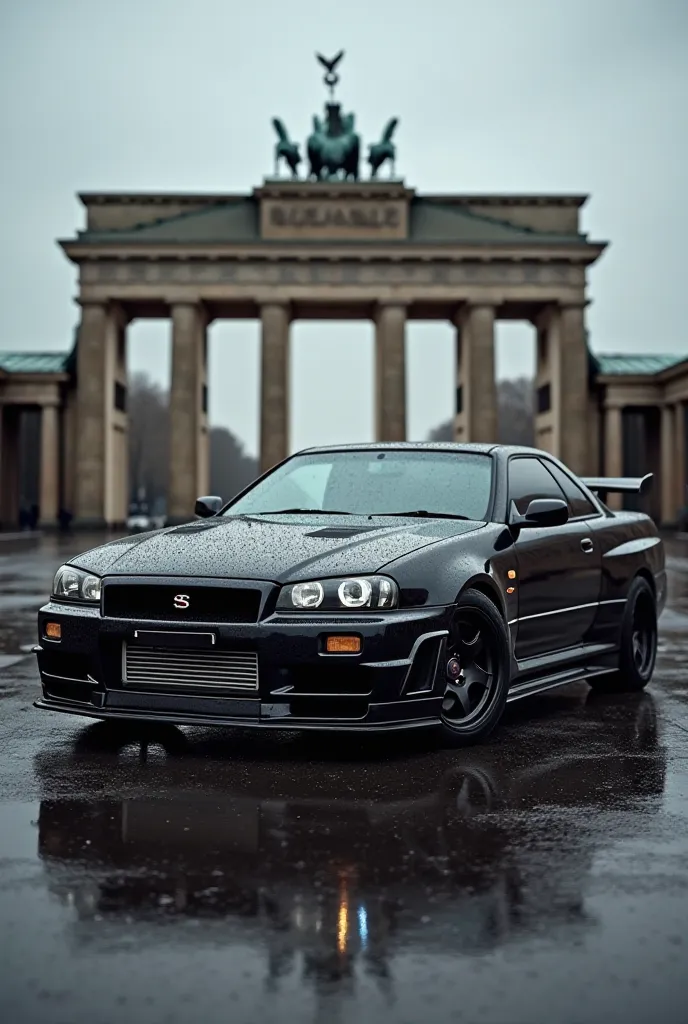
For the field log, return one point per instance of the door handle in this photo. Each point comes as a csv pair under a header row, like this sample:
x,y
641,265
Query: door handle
x,y
587,545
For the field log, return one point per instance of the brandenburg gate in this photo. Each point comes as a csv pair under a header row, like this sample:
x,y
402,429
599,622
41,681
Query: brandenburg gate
x,y
324,246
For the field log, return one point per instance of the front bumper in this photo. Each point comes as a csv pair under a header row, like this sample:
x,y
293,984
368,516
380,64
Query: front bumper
x,y
395,682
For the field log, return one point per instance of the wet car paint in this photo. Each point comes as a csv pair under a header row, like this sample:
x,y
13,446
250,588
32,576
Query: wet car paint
x,y
214,875
225,573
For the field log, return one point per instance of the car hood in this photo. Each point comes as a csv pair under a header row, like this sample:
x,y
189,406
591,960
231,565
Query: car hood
x,y
279,548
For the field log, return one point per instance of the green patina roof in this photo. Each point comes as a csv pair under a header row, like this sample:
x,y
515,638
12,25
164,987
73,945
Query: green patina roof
x,y
34,362
630,364
232,221
433,222
237,222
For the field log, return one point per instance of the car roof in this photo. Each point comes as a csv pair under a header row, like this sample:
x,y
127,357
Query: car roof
x,y
451,446
406,445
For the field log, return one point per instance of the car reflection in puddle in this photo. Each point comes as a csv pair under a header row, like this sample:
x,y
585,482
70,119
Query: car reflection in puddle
x,y
465,853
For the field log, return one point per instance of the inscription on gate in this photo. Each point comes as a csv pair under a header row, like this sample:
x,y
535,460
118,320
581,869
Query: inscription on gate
x,y
365,220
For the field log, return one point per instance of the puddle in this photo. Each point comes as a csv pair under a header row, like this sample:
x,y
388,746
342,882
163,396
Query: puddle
x,y
6,660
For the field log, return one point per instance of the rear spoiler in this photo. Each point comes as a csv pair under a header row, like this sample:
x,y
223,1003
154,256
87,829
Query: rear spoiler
x,y
619,484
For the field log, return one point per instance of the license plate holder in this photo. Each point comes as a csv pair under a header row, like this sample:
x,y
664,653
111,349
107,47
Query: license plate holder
x,y
173,638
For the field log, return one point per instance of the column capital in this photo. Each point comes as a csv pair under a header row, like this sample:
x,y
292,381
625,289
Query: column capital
x,y
270,302
549,310
473,309
111,307
390,312
197,307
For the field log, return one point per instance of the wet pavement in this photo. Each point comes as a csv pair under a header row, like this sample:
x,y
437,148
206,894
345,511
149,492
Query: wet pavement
x,y
209,875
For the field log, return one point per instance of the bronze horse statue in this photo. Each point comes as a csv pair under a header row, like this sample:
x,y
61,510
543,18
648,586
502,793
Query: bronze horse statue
x,y
285,149
383,150
333,147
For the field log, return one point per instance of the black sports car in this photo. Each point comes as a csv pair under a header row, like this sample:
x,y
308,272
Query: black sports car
x,y
363,587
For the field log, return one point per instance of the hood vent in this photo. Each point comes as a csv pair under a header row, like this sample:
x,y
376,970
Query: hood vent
x,y
341,531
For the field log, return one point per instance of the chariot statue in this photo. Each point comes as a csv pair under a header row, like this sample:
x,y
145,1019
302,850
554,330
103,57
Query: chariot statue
x,y
333,148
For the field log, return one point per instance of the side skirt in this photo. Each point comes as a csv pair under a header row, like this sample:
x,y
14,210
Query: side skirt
x,y
549,682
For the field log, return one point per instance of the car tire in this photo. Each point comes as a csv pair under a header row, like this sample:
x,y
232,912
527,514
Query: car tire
x,y
477,671
637,645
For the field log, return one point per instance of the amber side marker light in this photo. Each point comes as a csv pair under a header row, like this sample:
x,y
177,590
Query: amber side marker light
x,y
343,644
511,574
53,630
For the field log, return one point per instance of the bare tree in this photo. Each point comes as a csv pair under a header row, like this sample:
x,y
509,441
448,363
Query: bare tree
x,y
148,439
231,469
515,414
516,411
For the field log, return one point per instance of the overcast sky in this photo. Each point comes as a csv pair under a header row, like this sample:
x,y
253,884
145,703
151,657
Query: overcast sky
x,y
493,96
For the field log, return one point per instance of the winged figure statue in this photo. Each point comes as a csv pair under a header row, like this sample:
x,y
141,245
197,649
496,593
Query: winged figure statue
x,y
330,65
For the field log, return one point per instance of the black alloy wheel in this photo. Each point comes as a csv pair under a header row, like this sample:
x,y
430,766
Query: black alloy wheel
x,y
644,636
477,670
637,643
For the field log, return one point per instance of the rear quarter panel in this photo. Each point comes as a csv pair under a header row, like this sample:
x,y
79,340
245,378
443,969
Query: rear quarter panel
x,y
629,544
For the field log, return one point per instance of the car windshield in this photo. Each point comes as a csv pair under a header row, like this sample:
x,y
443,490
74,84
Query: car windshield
x,y
374,482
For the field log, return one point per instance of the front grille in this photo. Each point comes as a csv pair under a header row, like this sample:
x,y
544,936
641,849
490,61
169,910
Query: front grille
x,y
203,604
174,669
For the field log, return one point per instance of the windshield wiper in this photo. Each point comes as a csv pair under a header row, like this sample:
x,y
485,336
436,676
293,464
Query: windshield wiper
x,y
303,511
421,513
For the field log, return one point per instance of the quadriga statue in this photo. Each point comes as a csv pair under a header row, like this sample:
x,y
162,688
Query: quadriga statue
x,y
334,147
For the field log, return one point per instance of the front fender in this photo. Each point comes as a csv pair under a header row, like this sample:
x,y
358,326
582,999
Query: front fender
x,y
481,558
489,586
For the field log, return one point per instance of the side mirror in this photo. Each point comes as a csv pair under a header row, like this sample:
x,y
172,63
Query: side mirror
x,y
540,512
208,506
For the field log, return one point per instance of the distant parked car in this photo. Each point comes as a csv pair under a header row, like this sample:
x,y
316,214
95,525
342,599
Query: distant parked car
x,y
138,519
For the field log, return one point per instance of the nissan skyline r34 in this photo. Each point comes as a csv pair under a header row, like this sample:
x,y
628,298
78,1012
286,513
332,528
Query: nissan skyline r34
x,y
362,588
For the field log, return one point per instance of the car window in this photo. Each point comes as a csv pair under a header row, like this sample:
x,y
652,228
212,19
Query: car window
x,y
579,505
374,482
528,479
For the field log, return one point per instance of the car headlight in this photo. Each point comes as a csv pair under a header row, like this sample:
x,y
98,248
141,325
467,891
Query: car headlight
x,y
74,585
356,593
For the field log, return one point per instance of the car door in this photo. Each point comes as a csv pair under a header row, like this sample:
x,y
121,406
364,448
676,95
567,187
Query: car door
x,y
558,568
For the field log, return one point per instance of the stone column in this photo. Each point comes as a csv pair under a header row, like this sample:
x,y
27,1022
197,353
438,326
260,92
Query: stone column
x,y
681,498
9,467
569,371
613,449
187,475
544,427
390,372
117,484
274,384
96,360
668,465
3,469
204,436
476,419
49,499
